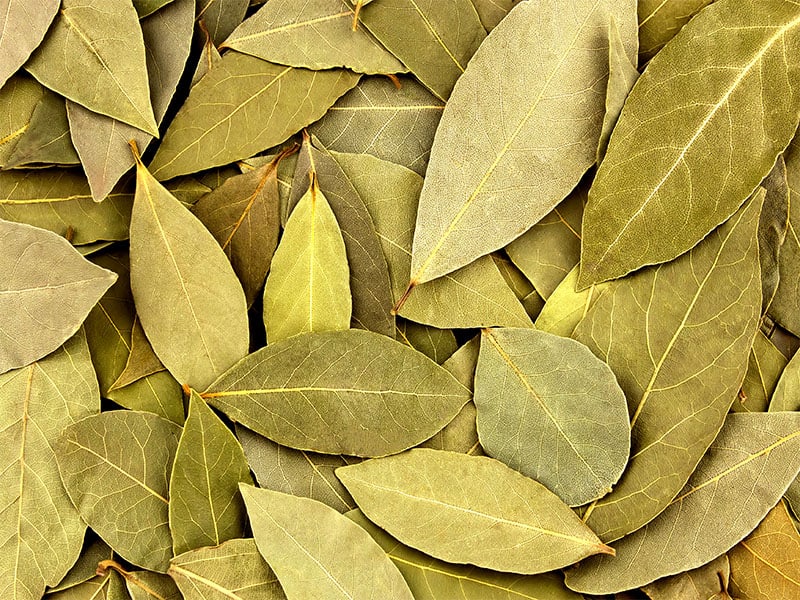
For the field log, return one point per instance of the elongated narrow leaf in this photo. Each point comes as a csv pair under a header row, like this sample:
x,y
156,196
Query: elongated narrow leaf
x,y
308,288
215,125
23,27
757,452
785,307
41,531
519,172
469,509
655,174
709,582
94,55
342,392
306,553
221,17
704,305
176,263
18,99
206,508
660,20
46,290
544,405
115,467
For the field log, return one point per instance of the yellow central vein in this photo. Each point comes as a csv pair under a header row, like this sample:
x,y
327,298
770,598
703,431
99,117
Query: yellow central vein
x,y
207,582
288,27
14,134
312,251
320,389
436,35
251,200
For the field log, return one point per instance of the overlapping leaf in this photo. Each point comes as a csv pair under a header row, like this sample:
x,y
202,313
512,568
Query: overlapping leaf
x,y
23,27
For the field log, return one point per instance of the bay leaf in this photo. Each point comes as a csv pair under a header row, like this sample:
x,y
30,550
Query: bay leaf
x,y
19,96
655,172
567,306
764,368
543,403
358,393
785,398
23,28
378,118
158,393
206,508
469,509
110,586
432,579
316,35
436,344
201,135
46,139
437,39
176,262
105,73
242,215
514,277
41,531
92,248
709,582
209,58
660,20
145,8
307,564
491,12
221,17
533,304
141,362
705,304
766,564
231,571
146,585
772,229
85,567
757,452
308,288
115,467
534,160
46,291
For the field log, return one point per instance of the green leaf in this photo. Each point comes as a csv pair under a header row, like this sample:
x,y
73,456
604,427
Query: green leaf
x,y
704,305
492,12
523,77
436,344
709,582
105,73
46,139
550,409
656,172
176,262
41,531
145,585
660,20
231,571
316,35
214,125
772,229
18,98
110,586
469,509
307,564
46,292
757,452
23,29
785,398
342,392
221,17
85,567
145,8
308,288
115,467
142,360
206,508
567,306
764,368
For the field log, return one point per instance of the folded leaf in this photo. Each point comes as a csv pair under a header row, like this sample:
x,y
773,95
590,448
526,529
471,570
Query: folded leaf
x,y
23,27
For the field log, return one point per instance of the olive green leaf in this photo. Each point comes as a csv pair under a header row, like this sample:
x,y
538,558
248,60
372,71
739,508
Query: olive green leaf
x,y
209,58
221,17
764,368
110,586
94,55
704,305
785,398
567,306
432,579
378,118
142,360
772,229
60,200
145,8
491,12
41,531
176,263
340,392
231,571
533,304
214,125
46,138
206,509
316,35
709,582
46,290
766,564
655,174
85,567
296,472
307,564
503,179
115,467
436,40
469,509
22,28
756,452
18,99
308,288
515,278
242,215
550,409
660,20
146,585
785,307
436,344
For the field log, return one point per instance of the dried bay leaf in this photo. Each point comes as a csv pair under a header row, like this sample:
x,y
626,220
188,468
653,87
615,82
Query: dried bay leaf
x,y
23,28
176,262
772,229
209,129
544,403
85,567
41,531
709,582
436,344
110,586
116,467
145,8
534,160
785,307
209,58
46,139
306,563
18,98
221,17
46,291
141,362
316,35
784,398
105,73
757,452
655,172
342,392
146,585
660,20
515,278
476,511
491,12
764,368
706,305
567,306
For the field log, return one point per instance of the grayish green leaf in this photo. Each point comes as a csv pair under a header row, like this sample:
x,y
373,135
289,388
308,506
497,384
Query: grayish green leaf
x,y
660,20
709,582
209,58
46,139
436,344
23,28
141,362
764,368
772,229
145,585
567,306
18,99
491,12
85,567
785,306
515,278
221,17
110,586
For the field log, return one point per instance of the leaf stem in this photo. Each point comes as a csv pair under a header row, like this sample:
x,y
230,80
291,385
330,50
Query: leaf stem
x,y
356,12
104,565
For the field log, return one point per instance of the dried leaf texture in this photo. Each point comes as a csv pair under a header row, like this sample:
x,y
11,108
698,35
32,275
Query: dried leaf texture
x,y
23,27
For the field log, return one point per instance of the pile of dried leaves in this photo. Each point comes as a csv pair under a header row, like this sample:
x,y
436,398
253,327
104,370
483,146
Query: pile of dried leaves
x,y
396,299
